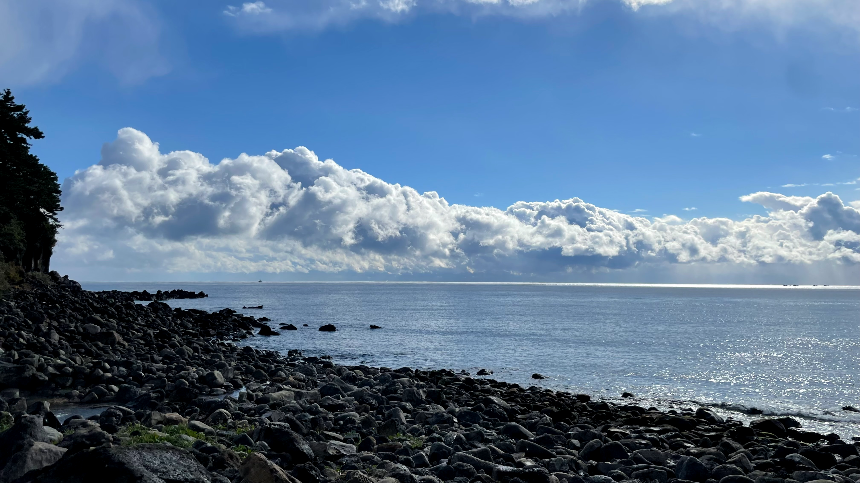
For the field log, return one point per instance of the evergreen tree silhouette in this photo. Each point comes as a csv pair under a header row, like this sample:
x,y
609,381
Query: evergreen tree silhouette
x,y
29,192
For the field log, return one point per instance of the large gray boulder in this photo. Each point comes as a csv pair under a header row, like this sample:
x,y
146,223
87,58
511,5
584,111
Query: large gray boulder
x,y
36,455
146,463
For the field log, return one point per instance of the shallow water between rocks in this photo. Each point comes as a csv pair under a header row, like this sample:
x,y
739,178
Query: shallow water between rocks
x,y
784,350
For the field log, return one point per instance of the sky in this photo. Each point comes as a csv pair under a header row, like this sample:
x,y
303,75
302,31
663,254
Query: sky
x,y
493,140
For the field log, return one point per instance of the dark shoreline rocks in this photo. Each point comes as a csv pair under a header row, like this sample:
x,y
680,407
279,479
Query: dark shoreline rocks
x,y
168,378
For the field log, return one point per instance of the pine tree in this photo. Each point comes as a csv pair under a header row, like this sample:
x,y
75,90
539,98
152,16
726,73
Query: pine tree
x,y
29,192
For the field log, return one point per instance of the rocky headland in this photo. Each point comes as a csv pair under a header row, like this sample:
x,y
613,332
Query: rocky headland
x,y
184,402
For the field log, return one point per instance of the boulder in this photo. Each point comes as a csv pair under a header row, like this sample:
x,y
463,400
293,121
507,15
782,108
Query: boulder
x,y
533,450
34,456
28,429
768,425
516,431
690,468
258,469
282,439
214,379
15,375
328,328
145,463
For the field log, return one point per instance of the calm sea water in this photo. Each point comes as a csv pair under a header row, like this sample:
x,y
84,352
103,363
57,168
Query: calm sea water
x,y
785,350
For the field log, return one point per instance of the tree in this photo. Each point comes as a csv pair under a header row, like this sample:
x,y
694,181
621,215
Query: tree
x,y
29,192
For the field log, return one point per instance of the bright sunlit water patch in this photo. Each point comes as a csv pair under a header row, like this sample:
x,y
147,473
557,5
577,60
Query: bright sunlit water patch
x,y
785,350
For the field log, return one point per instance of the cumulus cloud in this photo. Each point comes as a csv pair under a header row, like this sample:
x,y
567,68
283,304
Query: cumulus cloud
x,y
41,40
142,210
319,14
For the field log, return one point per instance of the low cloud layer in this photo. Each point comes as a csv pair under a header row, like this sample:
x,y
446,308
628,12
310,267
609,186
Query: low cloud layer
x,y
277,15
142,211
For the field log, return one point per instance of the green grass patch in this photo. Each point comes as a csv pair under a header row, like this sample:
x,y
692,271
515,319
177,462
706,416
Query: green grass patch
x,y
414,442
138,434
242,451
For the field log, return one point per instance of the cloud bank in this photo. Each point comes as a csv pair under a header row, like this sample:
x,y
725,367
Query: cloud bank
x,y
279,15
139,210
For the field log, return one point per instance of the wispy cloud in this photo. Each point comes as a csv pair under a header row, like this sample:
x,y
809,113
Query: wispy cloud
x,y
695,135
800,185
639,210
839,154
478,195
42,41
310,15
248,8
692,208
840,109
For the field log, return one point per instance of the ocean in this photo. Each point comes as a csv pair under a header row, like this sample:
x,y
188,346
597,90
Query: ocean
x,y
783,350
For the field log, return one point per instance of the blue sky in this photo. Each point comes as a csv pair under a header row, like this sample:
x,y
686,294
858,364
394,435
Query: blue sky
x,y
646,110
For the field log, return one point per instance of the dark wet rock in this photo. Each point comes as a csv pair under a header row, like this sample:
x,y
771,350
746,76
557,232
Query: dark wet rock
x,y
613,451
591,450
651,475
722,471
802,460
282,439
709,416
533,450
289,327
739,479
822,459
214,379
538,376
16,375
372,326
690,468
328,328
516,431
267,331
769,425
258,469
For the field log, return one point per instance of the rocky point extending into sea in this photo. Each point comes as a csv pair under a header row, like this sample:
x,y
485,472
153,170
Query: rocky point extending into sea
x,y
184,402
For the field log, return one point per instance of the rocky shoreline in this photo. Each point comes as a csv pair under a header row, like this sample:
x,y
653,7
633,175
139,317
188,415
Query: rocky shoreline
x,y
185,403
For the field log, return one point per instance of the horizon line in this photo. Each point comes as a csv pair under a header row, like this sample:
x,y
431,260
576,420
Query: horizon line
x,y
571,284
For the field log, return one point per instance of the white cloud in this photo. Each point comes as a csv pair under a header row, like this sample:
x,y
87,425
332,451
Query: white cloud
x,y
639,210
828,157
319,14
42,40
248,8
692,208
841,109
801,185
141,210
695,135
